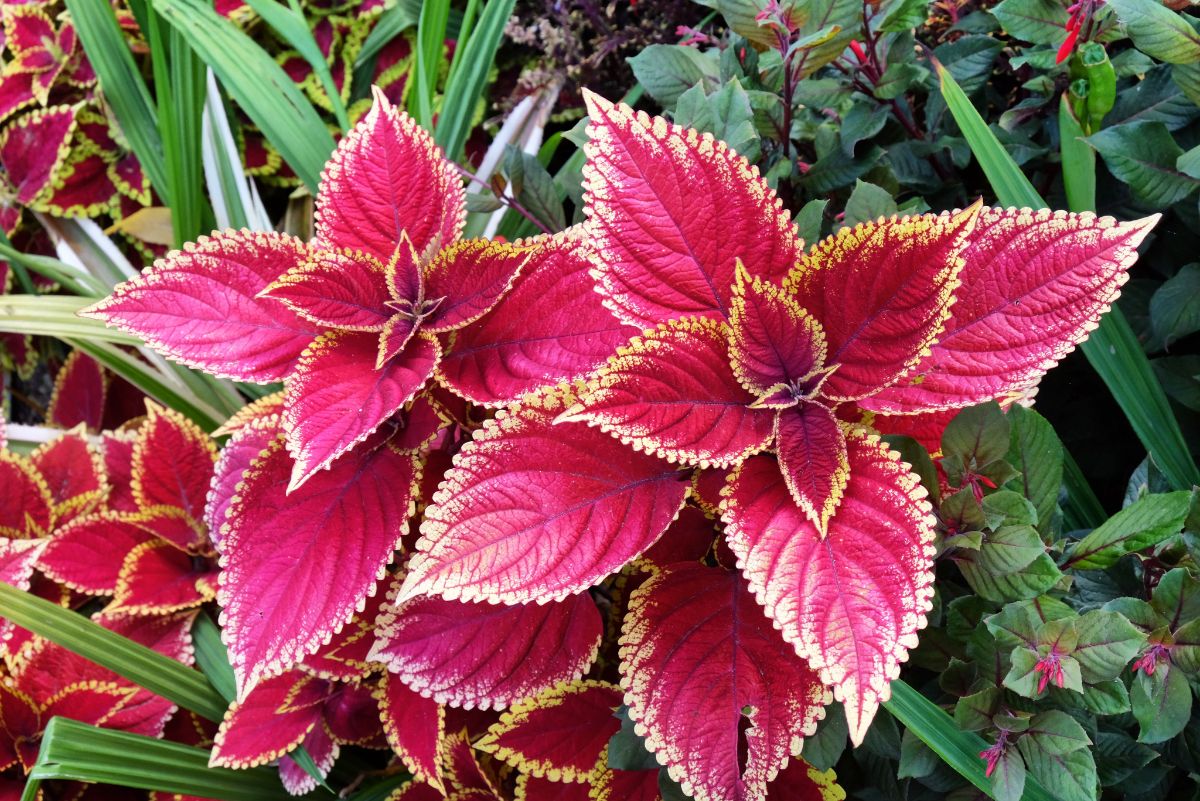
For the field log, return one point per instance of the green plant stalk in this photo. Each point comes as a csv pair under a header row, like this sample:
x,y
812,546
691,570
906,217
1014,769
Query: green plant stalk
x,y
1078,160
143,666
68,277
957,748
1113,350
466,84
77,751
431,35
55,316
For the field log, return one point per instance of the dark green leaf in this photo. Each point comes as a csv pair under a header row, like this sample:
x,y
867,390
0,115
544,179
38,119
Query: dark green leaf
x,y
1068,777
1162,702
868,203
1147,522
667,71
1157,31
1038,21
1175,307
1036,452
1143,155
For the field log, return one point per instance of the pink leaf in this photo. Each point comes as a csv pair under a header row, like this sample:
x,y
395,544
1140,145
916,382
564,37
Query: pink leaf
x,y
559,734
671,210
551,327
772,339
415,727
671,392
79,391
157,578
702,669
270,721
242,448
336,290
387,177
337,398
469,278
200,306
74,473
173,462
851,601
812,458
87,554
484,655
17,560
534,511
26,505
882,292
33,148
1034,286
297,566
324,752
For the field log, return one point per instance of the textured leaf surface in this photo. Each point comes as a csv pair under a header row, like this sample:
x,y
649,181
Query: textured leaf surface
x,y
235,459
534,511
414,726
851,601
272,719
699,660
74,474
672,392
1034,285
656,194
33,148
87,554
172,463
470,277
485,655
26,505
882,292
559,733
337,398
336,290
772,339
201,306
387,177
812,458
551,327
79,391
156,578
297,566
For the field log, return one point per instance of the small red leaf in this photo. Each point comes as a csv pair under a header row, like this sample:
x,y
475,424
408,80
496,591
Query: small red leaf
x,y
657,195
772,339
812,458
534,511
1034,286
173,462
79,391
157,578
74,473
536,788
469,278
26,505
882,292
200,306
17,560
800,781
118,466
722,700
558,734
270,721
351,714
337,398
484,655
247,442
551,327
627,785
33,148
344,657
323,750
414,726
336,290
87,554
850,601
671,392
297,566
387,177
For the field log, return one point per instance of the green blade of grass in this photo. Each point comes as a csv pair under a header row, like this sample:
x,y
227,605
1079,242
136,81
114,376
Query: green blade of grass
x,y
212,657
957,748
257,84
431,37
79,752
1113,350
124,89
391,24
295,32
473,61
141,665
55,316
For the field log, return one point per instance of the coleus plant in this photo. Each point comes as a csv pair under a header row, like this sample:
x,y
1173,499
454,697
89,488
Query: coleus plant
x,y
759,385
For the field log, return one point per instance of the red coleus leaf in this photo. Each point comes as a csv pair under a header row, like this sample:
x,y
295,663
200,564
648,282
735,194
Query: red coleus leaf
x,y
333,538
337,398
243,447
882,292
484,655
351,715
17,560
812,458
74,474
800,781
20,725
534,511
1034,285
537,788
464,778
157,578
470,277
201,306
336,290
26,504
671,392
117,449
388,178
82,188
270,721
689,539
86,555
323,750
852,599
344,657
173,462
551,327
702,668
26,27
626,785
415,727
772,339
16,92
558,734
80,388
656,195
33,148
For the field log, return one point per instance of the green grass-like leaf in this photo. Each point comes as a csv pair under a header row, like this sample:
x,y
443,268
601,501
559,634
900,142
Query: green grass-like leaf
x,y
468,75
257,84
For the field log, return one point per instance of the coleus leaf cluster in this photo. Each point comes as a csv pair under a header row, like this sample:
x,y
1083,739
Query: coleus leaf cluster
x,y
675,389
